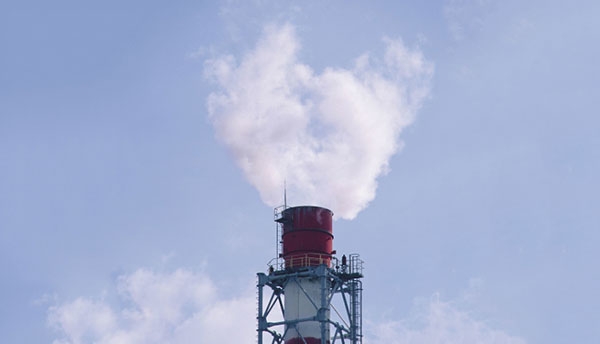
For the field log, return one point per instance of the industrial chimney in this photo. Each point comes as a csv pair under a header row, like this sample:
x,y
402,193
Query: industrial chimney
x,y
306,281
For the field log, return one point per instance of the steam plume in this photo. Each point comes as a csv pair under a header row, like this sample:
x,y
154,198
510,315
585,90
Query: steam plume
x,y
330,135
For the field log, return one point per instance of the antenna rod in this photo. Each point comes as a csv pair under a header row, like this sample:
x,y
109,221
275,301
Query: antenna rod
x,y
284,194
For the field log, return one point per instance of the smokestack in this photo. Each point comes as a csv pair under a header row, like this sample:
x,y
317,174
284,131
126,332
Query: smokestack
x,y
307,236
304,281
307,242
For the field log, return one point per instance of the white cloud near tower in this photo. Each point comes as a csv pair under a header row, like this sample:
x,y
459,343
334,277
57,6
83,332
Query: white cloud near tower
x,y
184,306
328,135
437,321
176,307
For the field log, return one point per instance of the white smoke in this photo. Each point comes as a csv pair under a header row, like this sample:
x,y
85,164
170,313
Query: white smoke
x,y
328,135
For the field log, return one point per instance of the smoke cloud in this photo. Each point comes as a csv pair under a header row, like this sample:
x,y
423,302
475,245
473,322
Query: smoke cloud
x,y
329,135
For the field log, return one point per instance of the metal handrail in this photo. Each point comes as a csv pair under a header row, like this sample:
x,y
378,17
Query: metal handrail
x,y
295,260
354,264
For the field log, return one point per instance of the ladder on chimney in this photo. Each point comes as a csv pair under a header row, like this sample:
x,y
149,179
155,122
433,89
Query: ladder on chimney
x,y
355,286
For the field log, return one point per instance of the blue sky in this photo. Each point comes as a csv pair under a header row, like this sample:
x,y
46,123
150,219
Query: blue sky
x,y
126,214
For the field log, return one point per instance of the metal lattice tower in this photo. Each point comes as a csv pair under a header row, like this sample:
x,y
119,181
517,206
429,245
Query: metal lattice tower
x,y
309,296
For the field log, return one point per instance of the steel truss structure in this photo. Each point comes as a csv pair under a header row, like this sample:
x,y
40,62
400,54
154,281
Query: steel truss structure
x,y
341,285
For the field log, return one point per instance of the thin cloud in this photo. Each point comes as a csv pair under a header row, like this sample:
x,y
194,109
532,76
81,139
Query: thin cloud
x,y
81,320
328,135
465,17
437,322
177,307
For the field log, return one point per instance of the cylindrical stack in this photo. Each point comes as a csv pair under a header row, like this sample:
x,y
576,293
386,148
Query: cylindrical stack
x,y
307,236
307,242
